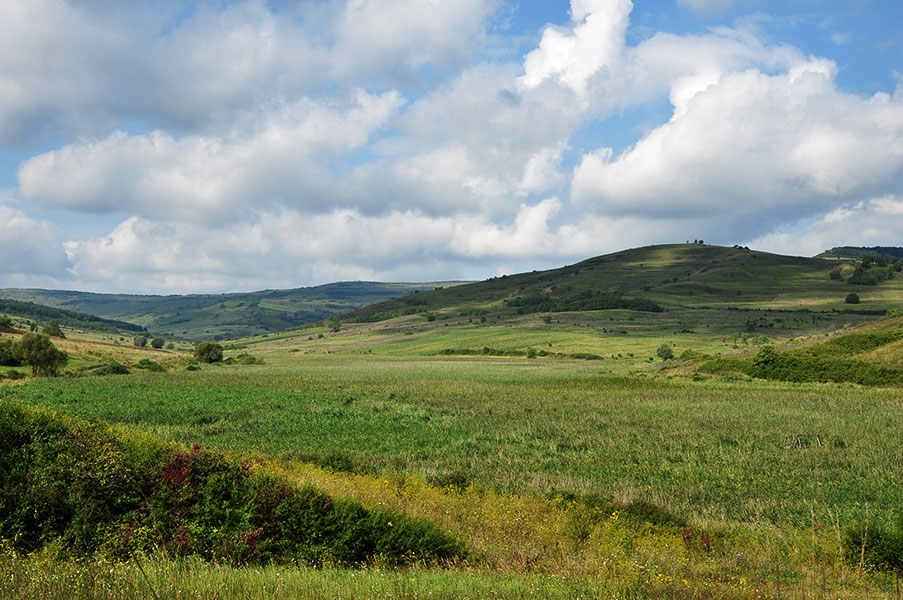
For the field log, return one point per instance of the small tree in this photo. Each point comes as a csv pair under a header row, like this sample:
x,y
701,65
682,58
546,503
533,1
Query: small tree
x,y
852,298
53,330
9,353
140,341
37,350
157,343
665,352
208,352
835,274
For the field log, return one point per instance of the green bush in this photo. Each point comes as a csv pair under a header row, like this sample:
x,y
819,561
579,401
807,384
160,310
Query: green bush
x,y
9,353
37,351
52,329
112,368
157,343
665,352
852,298
149,365
208,352
90,490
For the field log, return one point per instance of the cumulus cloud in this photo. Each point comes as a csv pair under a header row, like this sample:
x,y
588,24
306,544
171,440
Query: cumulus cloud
x,y
290,248
875,222
29,247
572,57
756,150
286,160
78,67
242,146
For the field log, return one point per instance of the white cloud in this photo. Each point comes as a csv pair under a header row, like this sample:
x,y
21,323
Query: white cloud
x,y
292,248
28,247
286,160
572,57
755,150
81,67
875,222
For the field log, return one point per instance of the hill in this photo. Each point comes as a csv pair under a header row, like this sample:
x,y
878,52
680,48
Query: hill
x,y
222,316
652,279
859,252
67,318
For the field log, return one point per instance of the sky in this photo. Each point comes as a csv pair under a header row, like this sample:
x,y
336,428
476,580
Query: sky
x,y
172,147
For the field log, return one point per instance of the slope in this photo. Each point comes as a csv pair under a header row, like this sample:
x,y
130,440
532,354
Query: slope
x,y
688,276
223,316
67,318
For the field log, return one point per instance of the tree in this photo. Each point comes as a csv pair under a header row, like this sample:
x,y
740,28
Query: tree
x,y
9,353
208,352
37,350
852,298
53,330
157,343
835,274
665,352
140,341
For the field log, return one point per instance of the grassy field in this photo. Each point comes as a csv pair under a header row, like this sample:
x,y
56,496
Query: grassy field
x,y
616,475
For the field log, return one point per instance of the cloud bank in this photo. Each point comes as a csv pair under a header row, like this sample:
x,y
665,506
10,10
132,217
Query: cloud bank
x,y
243,146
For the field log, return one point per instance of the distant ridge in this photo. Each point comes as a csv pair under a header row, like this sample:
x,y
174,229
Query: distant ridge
x,y
859,252
224,316
67,318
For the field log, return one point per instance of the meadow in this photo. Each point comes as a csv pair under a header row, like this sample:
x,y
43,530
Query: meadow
x,y
570,459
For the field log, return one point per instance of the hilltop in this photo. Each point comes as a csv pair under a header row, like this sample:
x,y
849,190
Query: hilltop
x,y
651,278
860,252
223,316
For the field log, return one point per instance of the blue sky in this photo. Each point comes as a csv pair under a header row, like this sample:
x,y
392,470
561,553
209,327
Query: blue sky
x,y
165,147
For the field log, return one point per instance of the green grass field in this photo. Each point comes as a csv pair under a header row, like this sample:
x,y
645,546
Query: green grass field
x,y
622,476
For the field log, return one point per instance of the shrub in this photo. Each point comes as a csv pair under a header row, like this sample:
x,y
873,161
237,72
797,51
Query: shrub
x,y
146,363
835,274
9,353
208,352
79,485
248,359
113,368
5,321
852,298
140,341
665,352
157,343
52,329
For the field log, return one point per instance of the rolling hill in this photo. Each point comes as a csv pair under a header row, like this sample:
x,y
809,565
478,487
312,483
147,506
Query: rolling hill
x,y
222,316
652,278
44,314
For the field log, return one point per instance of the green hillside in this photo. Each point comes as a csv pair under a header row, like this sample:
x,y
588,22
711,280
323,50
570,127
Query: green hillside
x,y
679,276
44,314
859,252
223,316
